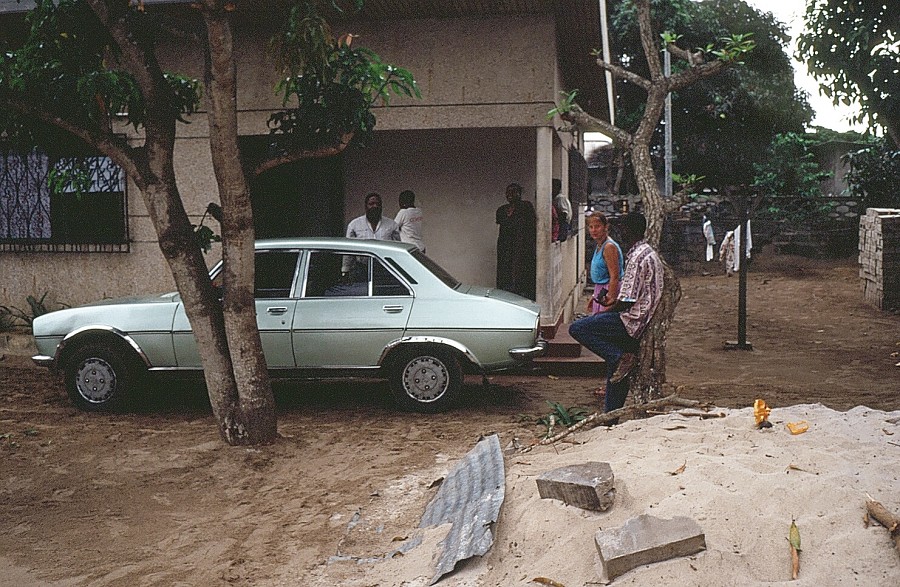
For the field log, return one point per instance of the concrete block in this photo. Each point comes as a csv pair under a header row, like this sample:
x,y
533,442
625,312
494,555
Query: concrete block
x,y
588,486
646,539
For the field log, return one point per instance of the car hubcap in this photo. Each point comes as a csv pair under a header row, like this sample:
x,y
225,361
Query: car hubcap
x,y
96,380
425,379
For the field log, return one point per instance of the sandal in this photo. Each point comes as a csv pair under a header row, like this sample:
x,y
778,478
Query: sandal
x,y
626,365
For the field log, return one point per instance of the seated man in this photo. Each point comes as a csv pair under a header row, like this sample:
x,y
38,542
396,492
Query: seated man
x,y
615,335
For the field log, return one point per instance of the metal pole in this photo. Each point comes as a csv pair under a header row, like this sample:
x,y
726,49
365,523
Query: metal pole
x,y
667,66
604,34
742,275
744,219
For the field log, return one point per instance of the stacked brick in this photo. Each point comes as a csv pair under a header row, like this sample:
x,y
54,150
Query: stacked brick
x,y
879,257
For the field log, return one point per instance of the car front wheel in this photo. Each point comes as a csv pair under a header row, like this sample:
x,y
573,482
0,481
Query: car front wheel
x,y
426,379
98,376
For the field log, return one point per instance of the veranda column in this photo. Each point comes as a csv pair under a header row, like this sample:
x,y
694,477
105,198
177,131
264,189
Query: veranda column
x,y
543,186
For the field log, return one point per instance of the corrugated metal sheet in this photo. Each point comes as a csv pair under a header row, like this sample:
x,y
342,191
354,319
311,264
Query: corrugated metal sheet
x,y
470,500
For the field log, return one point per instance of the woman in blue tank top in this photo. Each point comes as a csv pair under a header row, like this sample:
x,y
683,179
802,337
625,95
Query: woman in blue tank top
x,y
607,265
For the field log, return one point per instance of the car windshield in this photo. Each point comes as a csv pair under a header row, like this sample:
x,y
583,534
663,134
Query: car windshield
x,y
436,269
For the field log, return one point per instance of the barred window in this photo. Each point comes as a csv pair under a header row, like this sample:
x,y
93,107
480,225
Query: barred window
x,y
61,203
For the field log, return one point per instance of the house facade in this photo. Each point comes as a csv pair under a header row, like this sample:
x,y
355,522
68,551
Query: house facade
x,y
488,72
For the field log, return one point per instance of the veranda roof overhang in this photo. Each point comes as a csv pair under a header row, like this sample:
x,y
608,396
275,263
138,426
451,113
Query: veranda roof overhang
x,y
578,30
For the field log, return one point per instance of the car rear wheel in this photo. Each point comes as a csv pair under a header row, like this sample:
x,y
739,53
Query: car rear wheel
x,y
426,379
98,377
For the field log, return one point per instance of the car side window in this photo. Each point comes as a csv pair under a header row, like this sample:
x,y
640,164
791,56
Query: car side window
x,y
334,275
331,275
385,284
275,271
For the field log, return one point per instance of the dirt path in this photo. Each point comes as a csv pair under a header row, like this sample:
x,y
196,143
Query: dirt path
x,y
155,498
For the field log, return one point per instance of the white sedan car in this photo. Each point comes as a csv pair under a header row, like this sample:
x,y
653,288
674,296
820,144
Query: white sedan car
x,y
326,307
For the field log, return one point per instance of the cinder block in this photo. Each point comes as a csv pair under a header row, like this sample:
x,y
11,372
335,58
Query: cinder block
x,y
646,539
588,486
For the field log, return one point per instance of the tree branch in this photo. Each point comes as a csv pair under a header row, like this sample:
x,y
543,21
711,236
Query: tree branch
x,y
129,158
580,117
300,154
606,417
140,62
648,41
621,72
692,58
689,76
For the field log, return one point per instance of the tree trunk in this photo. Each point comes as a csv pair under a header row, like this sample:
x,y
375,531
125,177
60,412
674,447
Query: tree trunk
x,y
176,241
647,382
650,375
255,417
153,171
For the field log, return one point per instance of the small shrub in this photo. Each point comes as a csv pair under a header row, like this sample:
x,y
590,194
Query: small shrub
x,y
561,415
36,307
7,320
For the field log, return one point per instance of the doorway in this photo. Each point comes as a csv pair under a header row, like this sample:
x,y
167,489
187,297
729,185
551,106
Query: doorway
x,y
302,198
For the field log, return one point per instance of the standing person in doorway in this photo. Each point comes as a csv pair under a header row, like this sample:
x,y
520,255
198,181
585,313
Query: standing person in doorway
x,y
410,219
563,208
373,224
516,257
615,335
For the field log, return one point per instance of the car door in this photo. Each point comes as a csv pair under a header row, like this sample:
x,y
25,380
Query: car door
x,y
276,276
351,307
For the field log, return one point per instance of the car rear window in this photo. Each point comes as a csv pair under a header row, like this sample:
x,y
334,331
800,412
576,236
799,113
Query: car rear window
x,y
436,269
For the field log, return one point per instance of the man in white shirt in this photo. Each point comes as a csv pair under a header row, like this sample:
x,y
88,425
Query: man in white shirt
x,y
409,220
372,224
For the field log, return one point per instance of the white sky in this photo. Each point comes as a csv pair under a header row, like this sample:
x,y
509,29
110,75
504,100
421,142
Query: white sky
x,y
790,12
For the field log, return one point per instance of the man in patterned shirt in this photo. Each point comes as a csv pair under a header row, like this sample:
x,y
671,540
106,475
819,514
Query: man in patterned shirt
x,y
615,335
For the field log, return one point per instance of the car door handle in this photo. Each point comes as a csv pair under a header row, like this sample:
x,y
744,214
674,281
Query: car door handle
x,y
392,309
276,310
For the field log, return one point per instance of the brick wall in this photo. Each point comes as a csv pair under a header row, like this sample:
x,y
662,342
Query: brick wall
x,y
879,257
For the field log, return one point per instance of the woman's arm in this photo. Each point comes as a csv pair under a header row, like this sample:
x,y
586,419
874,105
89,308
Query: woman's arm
x,y
611,256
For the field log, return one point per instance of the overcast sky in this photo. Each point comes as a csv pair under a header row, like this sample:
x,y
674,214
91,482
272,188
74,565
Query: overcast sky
x,y
791,12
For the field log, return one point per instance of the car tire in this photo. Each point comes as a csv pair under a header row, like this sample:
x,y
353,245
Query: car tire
x,y
99,377
426,379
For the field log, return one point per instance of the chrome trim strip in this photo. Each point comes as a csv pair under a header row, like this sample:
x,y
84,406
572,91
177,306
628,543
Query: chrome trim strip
x,y
526,354
278,369
108,329
44,361
428,340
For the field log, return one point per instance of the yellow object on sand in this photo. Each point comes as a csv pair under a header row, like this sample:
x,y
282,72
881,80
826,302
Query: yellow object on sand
x,y
761,411
798,427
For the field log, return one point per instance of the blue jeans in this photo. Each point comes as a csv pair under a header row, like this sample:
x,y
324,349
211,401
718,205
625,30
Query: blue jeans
x,y
605,335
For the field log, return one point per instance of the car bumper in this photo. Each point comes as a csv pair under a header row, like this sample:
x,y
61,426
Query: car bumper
x,y
43,361
526,354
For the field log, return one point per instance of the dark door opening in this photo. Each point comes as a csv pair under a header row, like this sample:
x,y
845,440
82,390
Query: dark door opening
x,y
303,198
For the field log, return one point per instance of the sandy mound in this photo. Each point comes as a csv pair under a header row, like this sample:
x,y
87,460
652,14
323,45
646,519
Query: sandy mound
x,y
742,485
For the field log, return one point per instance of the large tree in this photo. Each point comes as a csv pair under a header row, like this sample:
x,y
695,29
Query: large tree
x,y
853,48
87,66
722,125
637,140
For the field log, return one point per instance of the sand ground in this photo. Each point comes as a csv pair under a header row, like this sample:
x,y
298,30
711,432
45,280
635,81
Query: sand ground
x,y
155,498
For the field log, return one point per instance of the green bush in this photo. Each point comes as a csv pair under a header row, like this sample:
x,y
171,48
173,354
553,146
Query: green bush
x,y
36,307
